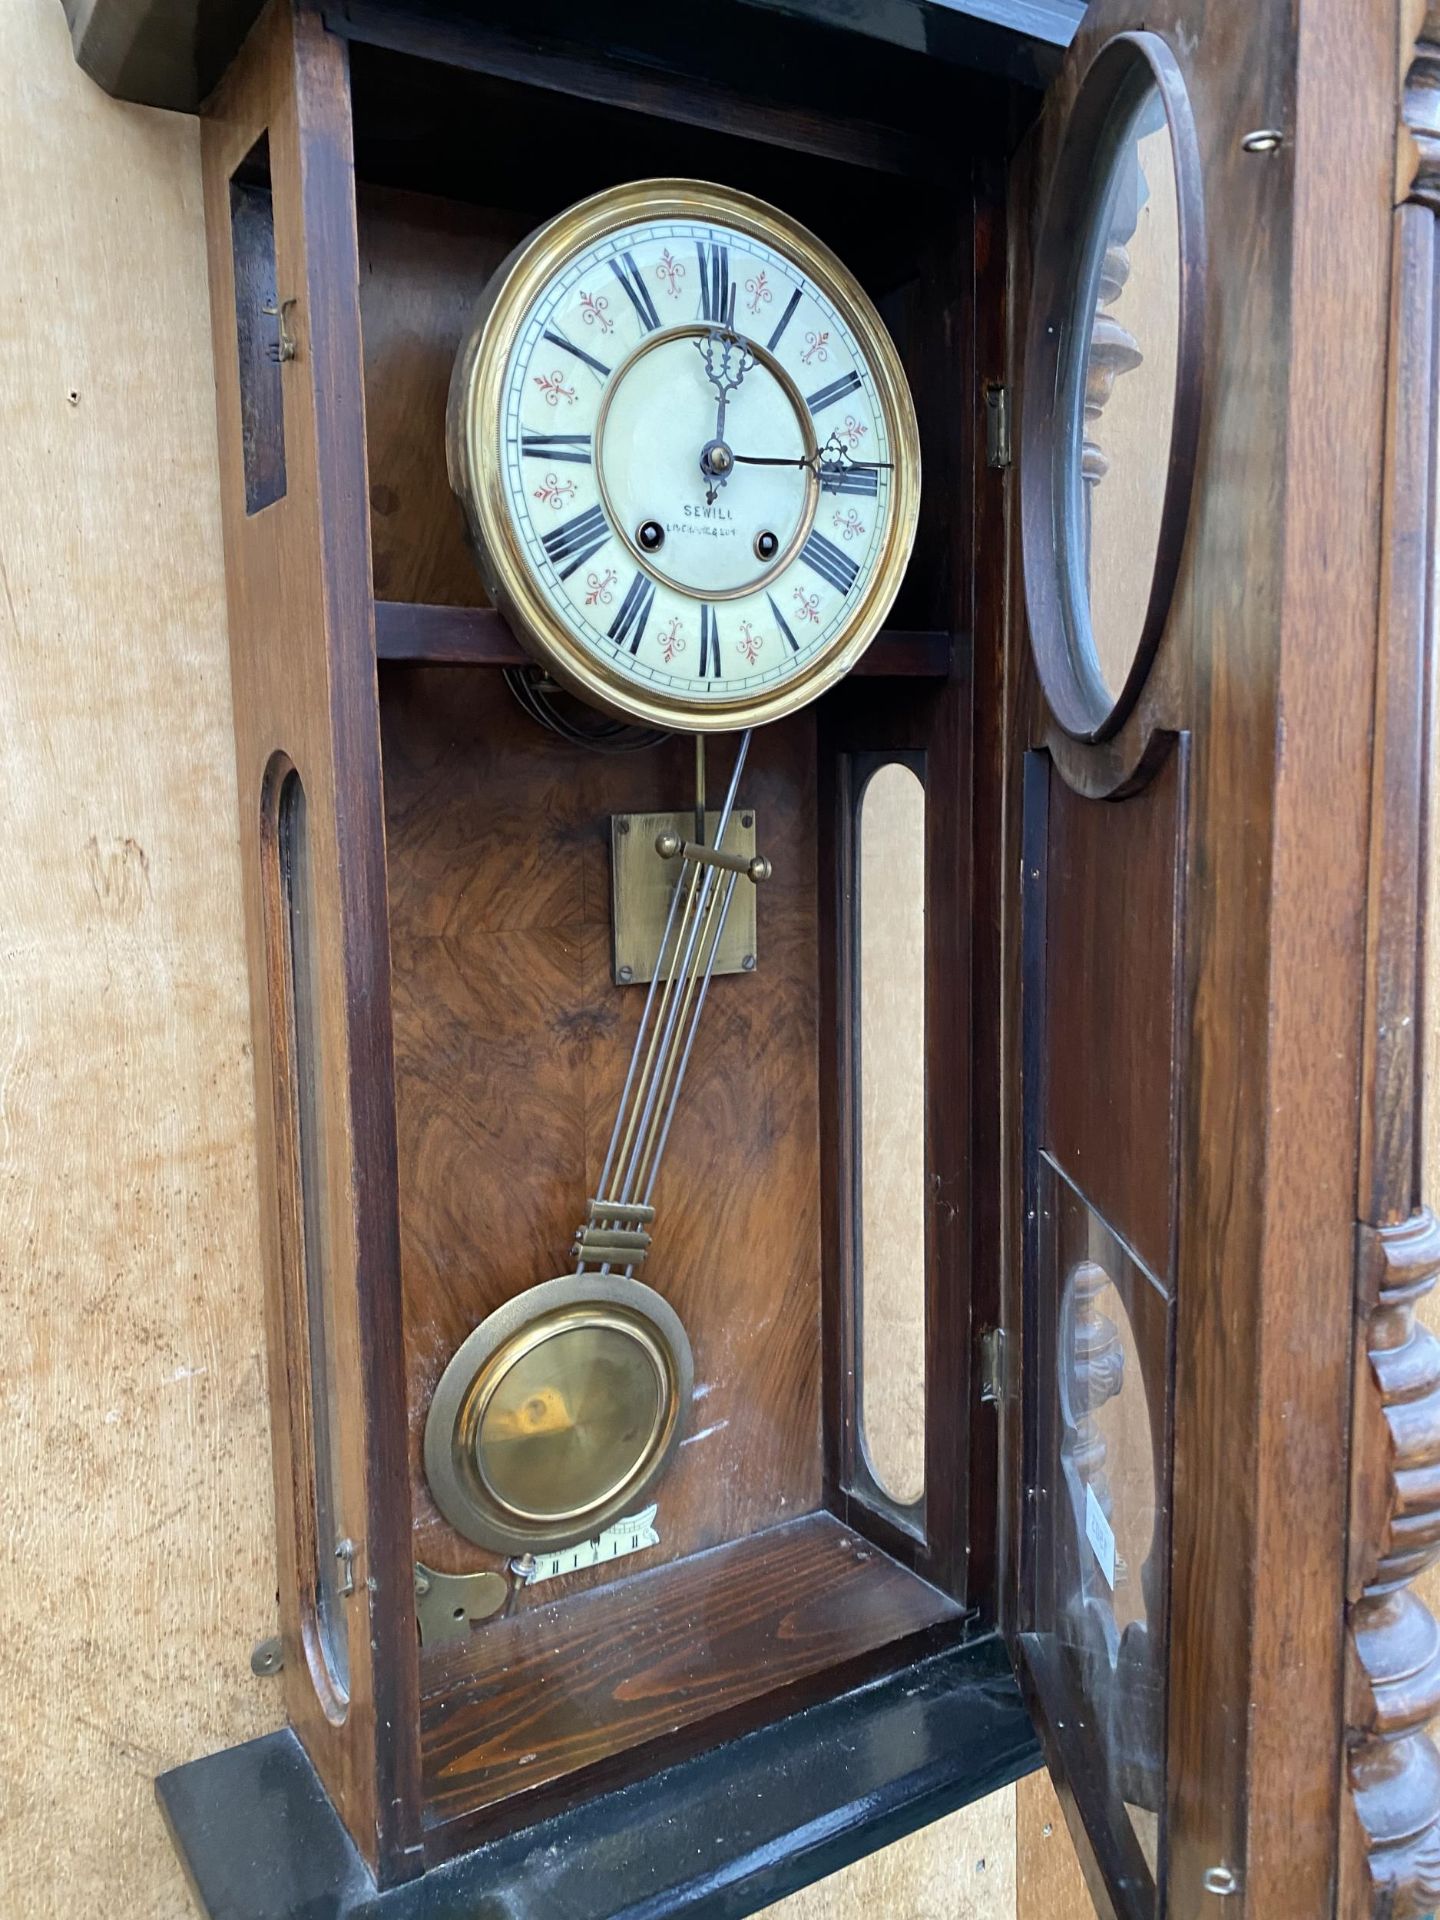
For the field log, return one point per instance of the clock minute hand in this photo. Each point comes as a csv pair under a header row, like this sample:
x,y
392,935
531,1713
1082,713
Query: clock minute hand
x,y
811,460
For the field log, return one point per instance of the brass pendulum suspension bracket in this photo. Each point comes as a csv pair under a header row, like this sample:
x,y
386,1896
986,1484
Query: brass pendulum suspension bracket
x,y
670,846
616,1231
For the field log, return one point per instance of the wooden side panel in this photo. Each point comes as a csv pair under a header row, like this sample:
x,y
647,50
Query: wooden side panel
x,y
511,1046
424,263
302,653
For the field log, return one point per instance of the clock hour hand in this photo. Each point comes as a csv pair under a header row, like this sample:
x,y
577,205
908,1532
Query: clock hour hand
x,y
727,359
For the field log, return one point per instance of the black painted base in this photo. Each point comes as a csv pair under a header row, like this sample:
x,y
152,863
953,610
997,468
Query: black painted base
x,y
717,1836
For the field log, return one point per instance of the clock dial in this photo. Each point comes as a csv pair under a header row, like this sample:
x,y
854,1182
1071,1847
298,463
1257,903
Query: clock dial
x,y
688,454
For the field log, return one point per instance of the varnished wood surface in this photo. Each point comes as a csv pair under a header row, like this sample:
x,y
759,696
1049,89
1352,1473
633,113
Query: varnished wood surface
x,y
456,636
566,1685
1112,934
424,262
302,650
1271,974
511,1047
1388,1853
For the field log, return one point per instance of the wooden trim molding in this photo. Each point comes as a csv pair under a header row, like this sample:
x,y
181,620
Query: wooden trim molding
x,y
1390,1852
1393,1682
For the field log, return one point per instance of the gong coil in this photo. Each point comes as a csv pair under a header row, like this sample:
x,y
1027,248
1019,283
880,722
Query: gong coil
x,y
558,1413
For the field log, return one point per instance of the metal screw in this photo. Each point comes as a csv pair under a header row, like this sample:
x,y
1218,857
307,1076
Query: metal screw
x,y
748,963
1221,1880
622,826
1263,140
625,975
422,1583
747,819
267,1657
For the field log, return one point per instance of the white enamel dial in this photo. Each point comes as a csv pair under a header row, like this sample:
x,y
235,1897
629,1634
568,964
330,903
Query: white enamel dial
x,y
700,442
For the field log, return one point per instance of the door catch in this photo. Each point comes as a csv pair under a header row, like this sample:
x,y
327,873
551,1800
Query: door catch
x,y
992,1366
997,424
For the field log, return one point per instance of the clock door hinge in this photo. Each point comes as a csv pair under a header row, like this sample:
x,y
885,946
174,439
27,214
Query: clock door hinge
x,y
992,1366
997,424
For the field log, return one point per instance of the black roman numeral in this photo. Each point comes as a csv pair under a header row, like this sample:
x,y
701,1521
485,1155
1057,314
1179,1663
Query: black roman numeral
x,y
841,479
827,396
556,446
829,562
577,540
783,321
628,275
709,643
717,295
629,622
783,624
557,339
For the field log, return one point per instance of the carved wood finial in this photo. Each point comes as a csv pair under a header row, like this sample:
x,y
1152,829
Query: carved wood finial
x,y
1420,112
1394,1682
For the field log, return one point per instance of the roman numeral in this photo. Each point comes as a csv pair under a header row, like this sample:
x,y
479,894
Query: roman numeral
x,y
717,295
838,479
556,446
629,277
577,540
557,339
629,622
709,643
827,396
783,624
783,321
829,562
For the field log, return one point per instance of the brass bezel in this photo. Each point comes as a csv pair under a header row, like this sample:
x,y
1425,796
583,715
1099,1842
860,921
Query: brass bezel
x,y
473,438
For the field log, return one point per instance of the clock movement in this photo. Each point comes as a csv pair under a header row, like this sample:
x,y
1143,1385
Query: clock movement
x,y
782,1312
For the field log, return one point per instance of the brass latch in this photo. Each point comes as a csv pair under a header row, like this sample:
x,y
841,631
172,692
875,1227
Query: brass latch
x,y
997,425
992,1366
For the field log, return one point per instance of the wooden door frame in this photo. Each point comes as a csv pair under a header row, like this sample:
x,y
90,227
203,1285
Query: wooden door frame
x,y
1269,665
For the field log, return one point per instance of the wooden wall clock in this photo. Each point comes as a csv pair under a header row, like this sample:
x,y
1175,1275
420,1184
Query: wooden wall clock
x,y
1086,785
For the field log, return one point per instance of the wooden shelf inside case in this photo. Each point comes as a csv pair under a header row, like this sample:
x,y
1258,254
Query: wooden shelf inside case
x,y
440,636
558,1688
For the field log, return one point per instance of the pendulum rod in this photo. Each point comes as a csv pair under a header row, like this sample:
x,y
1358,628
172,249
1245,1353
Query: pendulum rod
x,y
615,1232
687,962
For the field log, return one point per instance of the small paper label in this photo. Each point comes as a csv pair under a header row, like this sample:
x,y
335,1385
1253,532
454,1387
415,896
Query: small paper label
x,y
1100,1535
626,1536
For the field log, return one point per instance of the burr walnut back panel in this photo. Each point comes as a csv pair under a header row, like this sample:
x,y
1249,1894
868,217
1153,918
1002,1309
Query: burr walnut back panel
x,y
511,1043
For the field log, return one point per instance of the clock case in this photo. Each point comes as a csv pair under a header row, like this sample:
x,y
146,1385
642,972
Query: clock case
x,y
1171,985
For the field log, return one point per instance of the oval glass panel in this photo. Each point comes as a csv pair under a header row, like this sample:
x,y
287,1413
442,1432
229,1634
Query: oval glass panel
x,y
1117,395
891,1006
